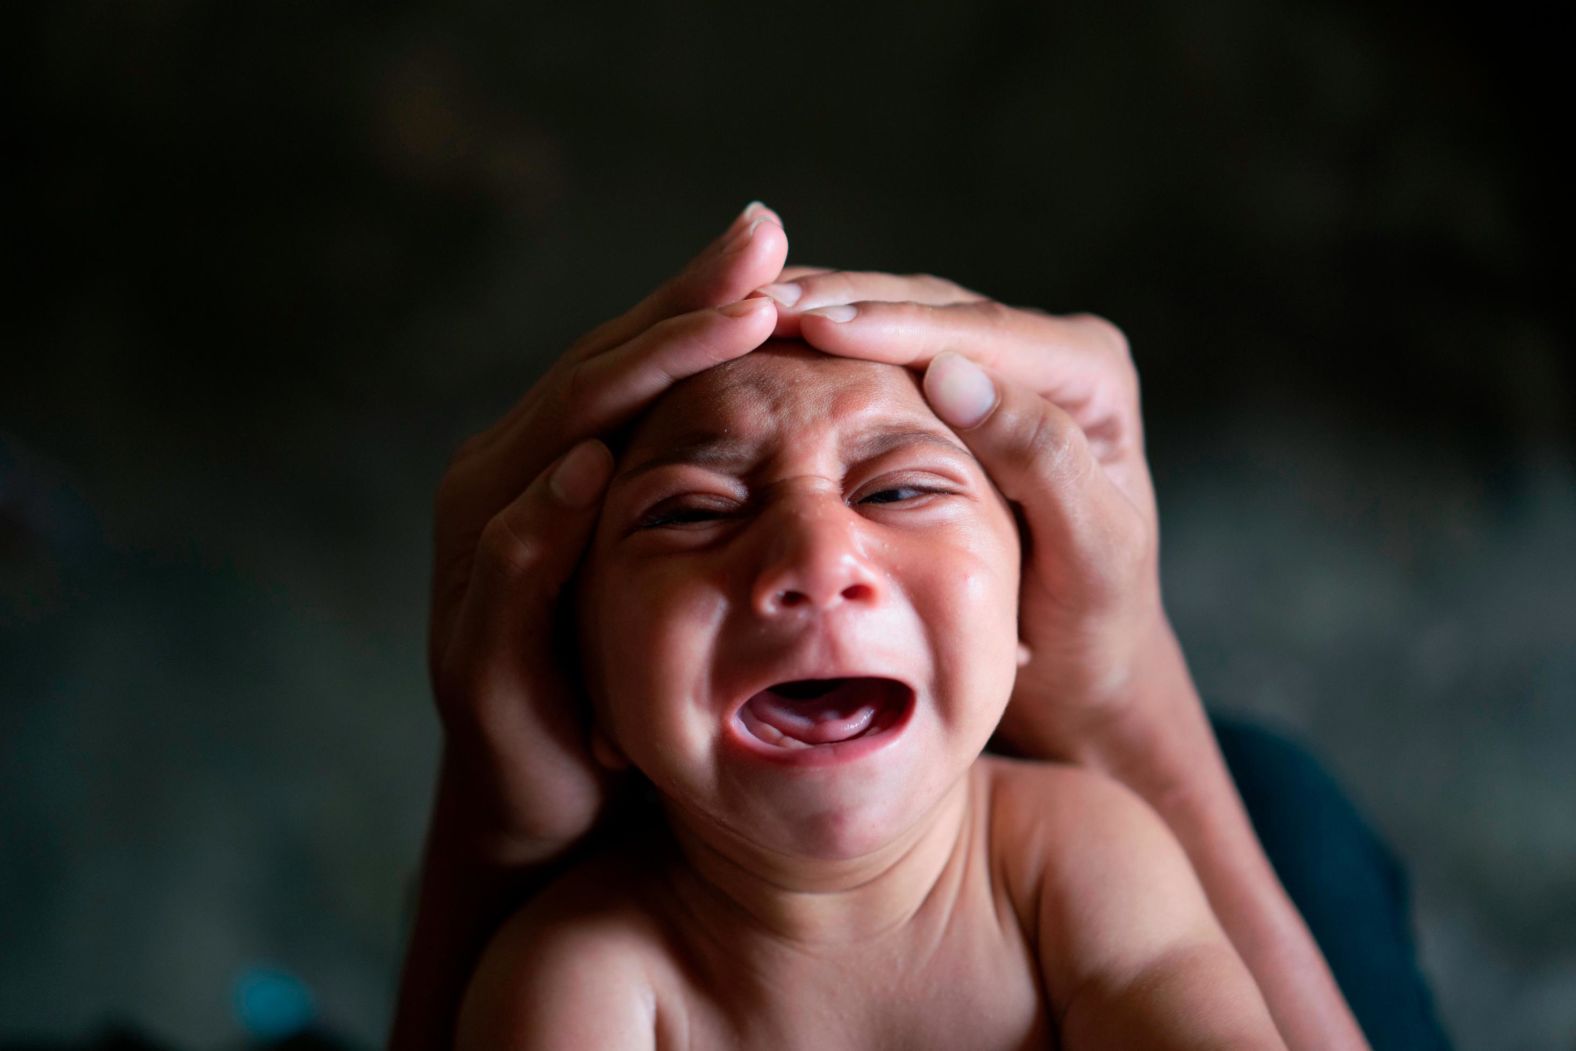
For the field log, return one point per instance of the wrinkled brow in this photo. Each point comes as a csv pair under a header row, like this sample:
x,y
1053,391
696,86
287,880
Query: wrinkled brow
x,y
723,451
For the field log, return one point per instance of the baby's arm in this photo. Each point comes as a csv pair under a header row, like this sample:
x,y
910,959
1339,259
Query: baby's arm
x,y
558,977
1130,951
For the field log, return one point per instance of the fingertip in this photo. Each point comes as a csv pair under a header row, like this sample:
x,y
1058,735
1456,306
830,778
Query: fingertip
x,y
582,474
961,392
839,313
761,210
739,233
744,223
827,328
786,293
766,242
787,326
748,307
751,257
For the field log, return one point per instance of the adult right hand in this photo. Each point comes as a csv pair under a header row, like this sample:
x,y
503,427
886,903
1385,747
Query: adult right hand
x,y
512,516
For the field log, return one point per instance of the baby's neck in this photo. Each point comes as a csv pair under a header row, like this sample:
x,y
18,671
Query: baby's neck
x,y
816,901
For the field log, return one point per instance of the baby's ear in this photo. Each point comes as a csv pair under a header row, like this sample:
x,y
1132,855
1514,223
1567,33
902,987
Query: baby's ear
x,y
605,750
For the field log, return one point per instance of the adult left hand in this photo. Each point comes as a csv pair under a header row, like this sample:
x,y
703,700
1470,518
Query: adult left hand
x,y
1050,406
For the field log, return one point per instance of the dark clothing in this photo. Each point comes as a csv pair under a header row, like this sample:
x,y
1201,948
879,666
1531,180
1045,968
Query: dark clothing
x,y
1350,889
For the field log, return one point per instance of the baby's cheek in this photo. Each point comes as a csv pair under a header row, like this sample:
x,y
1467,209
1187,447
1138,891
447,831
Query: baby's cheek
x,y
659,629
985,607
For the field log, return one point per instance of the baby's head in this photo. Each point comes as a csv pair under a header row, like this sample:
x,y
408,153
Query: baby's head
x,y
798,615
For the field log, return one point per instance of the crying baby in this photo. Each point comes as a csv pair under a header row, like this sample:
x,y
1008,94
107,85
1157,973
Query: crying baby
x,y
798,622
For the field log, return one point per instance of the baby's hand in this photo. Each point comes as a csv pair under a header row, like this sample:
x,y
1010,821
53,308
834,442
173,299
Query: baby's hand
x,y
512,515
1054,417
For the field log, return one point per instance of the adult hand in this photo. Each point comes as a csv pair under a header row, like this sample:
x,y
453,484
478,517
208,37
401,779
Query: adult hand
x,y
512,515
1050,405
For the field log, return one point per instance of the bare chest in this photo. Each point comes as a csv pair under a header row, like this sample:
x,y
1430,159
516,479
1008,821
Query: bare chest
x,y
972,983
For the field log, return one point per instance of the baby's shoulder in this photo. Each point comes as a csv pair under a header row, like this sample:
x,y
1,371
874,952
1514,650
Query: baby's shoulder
x,y
1054,824
1091,868
1025,795
583,951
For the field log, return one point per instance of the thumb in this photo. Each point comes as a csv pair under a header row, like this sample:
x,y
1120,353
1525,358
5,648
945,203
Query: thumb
x,y
1083,535
502,662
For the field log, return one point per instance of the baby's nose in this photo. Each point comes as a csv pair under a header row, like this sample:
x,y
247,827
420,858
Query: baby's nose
x,y
814,561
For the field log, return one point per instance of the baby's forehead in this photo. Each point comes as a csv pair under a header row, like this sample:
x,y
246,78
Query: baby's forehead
x,y
781,388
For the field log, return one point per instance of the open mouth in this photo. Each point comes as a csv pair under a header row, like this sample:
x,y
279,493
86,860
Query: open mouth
x,y
812,713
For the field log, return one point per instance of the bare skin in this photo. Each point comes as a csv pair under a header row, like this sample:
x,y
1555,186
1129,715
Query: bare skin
x,y
1057,424
1099,938
518,791
788,517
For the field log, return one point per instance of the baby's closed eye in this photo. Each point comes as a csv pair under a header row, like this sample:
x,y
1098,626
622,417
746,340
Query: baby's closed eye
x,y
688,510
694,509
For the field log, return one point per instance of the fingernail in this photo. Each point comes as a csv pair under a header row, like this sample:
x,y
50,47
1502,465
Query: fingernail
x,y
749,211
841,312
787,293
959,390
579,479
742,238
743,308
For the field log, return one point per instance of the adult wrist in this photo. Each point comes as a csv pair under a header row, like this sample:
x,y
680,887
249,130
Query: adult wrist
x,y
1156,737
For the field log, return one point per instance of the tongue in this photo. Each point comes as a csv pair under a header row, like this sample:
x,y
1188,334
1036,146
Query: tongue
x,y
818,711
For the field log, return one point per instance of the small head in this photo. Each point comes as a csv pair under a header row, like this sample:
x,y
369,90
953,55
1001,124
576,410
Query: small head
x,y
798,614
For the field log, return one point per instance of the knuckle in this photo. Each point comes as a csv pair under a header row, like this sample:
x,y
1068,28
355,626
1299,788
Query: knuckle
x,y
1110,337
1132,542
1048,446
938,287
832,286
992,314
572,401
572,385
508,547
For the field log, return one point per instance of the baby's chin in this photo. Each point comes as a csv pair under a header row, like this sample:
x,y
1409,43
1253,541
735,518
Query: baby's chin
x,y
809,829
863,798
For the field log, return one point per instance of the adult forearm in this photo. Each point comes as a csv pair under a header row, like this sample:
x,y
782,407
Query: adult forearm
x,y
1163,748
445,943
467,890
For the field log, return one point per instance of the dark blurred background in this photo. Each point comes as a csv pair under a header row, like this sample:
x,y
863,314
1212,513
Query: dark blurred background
x,y
271,262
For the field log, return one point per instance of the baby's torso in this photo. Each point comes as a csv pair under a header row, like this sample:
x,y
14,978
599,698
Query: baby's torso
x,y
968,989
961,973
